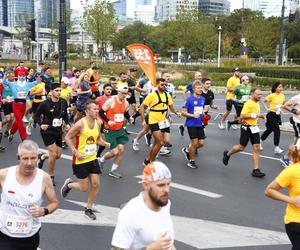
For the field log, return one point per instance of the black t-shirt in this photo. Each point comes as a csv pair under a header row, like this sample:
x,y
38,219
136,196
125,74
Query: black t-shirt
x,y
209,97
50,110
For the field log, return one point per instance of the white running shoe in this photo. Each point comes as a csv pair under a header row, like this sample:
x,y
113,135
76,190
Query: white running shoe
x,y
261,147
221,125
135,145
234,126
278,150
28,130
25,120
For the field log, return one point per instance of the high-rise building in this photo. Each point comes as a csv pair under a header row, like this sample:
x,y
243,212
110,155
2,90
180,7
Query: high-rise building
x,y
49,10
272,7
212,7
168,9
14,13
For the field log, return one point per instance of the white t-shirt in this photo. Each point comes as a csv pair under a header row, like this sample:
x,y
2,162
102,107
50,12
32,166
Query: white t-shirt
x,y
295,100
138,226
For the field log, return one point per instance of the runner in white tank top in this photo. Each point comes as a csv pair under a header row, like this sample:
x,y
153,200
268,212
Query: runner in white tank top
x,y
21,198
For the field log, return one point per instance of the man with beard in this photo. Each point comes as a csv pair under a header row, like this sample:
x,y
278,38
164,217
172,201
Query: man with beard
x,y
145,221
50,116
249,131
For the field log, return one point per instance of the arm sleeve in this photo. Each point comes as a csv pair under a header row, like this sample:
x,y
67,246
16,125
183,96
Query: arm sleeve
x,y
103,116
65,112
38,113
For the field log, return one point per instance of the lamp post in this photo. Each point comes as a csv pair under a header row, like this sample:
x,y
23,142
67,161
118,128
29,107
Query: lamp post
x,y
219,46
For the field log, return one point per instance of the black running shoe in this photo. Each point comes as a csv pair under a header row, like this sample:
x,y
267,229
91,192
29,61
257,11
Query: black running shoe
x,y
10,136
257,173
192,164
90,214
64,191
64,145
2,148
115,174
6,133
40,160
226,157
181,130
148,139
186,153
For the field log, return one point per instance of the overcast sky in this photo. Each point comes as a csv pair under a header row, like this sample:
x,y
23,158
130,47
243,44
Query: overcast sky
x,y
235,4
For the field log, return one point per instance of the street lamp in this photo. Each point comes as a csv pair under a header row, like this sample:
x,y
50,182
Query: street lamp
x,y
219,46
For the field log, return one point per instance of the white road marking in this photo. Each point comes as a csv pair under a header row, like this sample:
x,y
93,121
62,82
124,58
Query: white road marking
x,y
191,189
201,234
262,156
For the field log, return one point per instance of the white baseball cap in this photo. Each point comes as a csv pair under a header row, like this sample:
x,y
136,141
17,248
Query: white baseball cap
x,y
156,171
65,80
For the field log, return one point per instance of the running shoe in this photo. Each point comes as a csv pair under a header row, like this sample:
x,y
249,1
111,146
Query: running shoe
x,y
260,146
285,162
164,151
234,126
228,125
28,130
25,120
221,125
2,148
65,189
127,132
181,130
168,145
10,136
114,174
135,145
186,153
148,139
41,159
90,214
192,164
64,145
278,150
6,133
257,173
145,163
226,157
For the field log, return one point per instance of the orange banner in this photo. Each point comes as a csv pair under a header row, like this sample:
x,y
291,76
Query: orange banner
x,y
144,57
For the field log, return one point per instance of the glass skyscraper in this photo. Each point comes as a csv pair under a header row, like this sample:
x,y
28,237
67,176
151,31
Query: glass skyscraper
x,y
15,13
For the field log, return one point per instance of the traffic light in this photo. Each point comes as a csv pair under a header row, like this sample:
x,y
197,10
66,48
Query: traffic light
x,y
31,29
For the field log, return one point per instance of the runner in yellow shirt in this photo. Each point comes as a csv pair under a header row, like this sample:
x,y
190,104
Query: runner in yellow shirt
x,y
249,131
232,83
276,100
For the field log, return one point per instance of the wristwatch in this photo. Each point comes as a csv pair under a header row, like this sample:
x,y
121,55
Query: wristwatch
x,y
46,211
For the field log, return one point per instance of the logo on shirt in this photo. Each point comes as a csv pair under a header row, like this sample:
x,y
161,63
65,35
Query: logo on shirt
x,y
90,140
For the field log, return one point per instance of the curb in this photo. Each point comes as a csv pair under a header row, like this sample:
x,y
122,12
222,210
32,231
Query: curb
x,y
286,127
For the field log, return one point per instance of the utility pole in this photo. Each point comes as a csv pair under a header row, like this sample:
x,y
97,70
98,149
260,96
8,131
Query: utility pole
x,y
62,38
281,39
37,41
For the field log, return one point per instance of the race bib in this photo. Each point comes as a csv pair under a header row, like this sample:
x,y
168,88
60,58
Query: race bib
x,y
44,97
164,124
90,149
9,98
119,117
18,224
245,98
198,110
254,129
278,109
21,94
56,122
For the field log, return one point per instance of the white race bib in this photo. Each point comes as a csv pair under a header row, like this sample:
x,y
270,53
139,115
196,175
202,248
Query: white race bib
x,y
164,124
198,110
44,97
245,98
56,122
19,224
21,94
254,129
278,109
90,149
9,98
119,117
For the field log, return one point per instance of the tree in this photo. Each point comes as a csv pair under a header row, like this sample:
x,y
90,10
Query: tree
x,y
100,22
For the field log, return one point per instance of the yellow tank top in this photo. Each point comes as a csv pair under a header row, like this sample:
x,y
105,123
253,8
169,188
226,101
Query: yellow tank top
x,y
86,143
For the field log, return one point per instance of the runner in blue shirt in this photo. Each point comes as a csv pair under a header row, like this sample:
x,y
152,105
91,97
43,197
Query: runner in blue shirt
x,y
193,111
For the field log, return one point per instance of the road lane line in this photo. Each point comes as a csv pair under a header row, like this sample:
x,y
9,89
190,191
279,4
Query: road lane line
x,y
191,189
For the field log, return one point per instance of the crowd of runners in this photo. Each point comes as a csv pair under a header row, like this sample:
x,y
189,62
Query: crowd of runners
x,y
90,117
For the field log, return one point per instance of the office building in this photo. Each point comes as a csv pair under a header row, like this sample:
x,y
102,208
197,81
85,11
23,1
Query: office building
x,y
213,7
15,13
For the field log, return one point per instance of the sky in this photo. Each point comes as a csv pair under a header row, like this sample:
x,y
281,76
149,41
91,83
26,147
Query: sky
x,y
235,4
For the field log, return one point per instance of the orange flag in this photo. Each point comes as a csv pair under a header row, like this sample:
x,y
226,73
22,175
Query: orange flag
x,y
144,57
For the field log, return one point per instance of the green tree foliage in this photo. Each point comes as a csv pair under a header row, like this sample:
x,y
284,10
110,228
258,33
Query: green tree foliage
x,y
99,21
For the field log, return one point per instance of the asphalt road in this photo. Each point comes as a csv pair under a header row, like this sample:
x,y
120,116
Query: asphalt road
x,y
213,207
